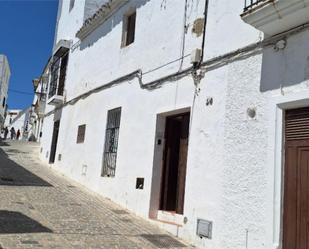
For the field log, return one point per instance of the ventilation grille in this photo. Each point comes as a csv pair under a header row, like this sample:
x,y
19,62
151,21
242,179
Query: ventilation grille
x,y
297,124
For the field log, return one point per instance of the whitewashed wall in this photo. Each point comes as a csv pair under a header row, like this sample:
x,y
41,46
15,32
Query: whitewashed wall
x,y
234,162
5,75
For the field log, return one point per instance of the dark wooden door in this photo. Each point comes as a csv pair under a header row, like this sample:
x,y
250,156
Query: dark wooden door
x,y
53,148
296,180
175,163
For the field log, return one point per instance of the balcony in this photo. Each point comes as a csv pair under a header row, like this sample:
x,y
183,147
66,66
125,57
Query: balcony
x,y
58,73
273,17
56,98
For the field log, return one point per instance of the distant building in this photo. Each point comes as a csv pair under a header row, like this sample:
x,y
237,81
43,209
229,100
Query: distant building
x,y
21,121
10,116
5,75
38,104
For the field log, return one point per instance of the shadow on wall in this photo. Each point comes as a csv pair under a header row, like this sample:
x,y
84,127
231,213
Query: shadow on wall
x,y
111,23
286,67
15,222
13,174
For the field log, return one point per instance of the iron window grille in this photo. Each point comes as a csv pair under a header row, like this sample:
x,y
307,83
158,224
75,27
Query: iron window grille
x,y
81,134
111,142
249,4
58,75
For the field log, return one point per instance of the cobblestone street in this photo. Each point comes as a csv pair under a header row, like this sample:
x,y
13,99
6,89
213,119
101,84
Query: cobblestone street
x,y
41,209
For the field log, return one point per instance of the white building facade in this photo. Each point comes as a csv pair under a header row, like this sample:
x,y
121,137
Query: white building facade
x,y
5,75
11,114
21,122
209,145
40,86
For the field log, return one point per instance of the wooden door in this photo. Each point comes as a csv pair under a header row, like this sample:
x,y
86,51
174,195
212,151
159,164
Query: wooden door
x,y
175,163
296,180
53,148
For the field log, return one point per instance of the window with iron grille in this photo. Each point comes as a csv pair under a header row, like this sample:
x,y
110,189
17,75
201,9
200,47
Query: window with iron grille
x,y
111,142
81,134
54,76
58,75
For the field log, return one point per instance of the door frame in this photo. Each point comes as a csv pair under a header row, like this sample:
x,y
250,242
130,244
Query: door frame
x,y
166,167
159,142
276,160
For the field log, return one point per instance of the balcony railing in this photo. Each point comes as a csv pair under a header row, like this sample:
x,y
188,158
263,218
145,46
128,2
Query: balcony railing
x,y
249,4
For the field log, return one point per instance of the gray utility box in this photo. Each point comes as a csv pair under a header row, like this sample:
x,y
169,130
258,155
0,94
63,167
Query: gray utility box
x,y
204,228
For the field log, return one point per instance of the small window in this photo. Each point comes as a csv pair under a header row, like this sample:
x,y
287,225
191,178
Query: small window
x,y
81,134
3,103
111,142
72,2
128,29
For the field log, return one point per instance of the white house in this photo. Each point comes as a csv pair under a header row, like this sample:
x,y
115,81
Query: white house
x,y
5,75
21,122
40,86
11,114
203,131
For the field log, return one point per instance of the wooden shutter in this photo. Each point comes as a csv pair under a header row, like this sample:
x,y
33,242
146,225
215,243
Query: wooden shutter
x,y
81,134
297,124
131,29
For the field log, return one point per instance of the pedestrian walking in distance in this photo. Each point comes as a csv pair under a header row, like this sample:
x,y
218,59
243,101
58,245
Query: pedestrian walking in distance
x,y
13,133
6,132
18,134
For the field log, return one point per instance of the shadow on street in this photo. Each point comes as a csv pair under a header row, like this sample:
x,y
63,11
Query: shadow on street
x,y
12,174
15,222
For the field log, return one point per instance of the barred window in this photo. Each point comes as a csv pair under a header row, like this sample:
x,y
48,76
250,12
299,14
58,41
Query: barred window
x,y
111,142
81,134
58,75
54,76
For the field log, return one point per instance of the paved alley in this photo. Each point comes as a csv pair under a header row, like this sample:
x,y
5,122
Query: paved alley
x,y
40,209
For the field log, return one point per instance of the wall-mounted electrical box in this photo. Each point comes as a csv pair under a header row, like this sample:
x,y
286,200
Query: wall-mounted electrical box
x,y
84,170
204,228
139,183
196,56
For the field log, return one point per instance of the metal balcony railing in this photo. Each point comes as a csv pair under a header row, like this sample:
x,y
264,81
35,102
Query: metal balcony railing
x,y
249,4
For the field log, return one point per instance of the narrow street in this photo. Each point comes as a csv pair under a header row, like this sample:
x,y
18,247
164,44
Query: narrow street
x,y
41,209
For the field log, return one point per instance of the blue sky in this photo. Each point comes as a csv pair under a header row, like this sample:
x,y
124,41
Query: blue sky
x,y
26,37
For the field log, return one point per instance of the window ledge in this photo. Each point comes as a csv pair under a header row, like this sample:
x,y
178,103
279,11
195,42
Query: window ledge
x,y
56,100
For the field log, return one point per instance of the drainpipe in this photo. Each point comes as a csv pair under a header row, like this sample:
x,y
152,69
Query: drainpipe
x,y
195,75
204,31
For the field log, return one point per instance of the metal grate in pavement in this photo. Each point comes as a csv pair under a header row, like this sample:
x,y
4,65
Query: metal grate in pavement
x,y
162,241
126,220
29,242
119,211
6,179
75,204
